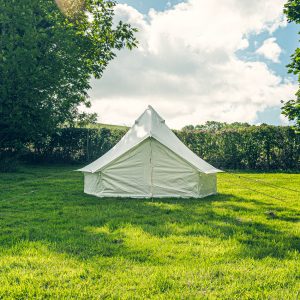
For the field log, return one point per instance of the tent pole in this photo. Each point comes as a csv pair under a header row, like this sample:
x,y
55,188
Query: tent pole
x,y
151,170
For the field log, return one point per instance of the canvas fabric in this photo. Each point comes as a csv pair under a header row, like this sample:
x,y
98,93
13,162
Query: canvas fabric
x,y
150,161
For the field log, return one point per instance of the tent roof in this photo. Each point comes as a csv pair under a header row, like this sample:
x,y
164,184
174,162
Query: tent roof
x,y
150,124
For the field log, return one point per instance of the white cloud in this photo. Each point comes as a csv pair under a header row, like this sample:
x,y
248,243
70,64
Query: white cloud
x,y
187,68
270,49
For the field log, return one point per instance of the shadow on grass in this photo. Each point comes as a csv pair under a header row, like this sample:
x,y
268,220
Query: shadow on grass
x,y
85,226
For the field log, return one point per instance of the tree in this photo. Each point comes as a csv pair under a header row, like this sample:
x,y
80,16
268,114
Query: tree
x,y
47,58
291,108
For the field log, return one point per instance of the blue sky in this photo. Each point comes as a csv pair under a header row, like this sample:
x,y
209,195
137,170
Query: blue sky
x,y
183,83
145,6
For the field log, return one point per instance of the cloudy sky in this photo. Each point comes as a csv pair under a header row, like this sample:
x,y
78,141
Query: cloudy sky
x,y
200,60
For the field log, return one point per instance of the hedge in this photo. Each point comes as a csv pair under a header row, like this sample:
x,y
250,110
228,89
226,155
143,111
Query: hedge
x,y
74,145
254,147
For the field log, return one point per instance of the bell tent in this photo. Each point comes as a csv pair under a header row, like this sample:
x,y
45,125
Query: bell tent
x,y
150,161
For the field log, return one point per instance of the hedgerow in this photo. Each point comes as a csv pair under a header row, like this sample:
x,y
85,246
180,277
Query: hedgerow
x,y
253,147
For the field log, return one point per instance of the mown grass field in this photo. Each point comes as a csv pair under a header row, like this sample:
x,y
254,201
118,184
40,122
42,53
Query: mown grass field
x,y
58,243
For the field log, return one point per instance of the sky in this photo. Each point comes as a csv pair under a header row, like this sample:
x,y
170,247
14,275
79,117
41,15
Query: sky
x,y
200,60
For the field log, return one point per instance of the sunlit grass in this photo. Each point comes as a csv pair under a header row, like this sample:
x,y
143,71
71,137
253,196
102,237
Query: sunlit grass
x,y
58,243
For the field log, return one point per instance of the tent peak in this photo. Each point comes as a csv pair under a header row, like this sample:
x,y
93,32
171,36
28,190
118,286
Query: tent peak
x,y
152,110
154,113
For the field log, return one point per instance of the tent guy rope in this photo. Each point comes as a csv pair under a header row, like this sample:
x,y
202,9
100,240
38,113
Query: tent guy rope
x,y
264,183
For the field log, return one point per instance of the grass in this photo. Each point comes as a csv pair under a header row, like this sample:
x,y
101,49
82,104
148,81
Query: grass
x,y
58,243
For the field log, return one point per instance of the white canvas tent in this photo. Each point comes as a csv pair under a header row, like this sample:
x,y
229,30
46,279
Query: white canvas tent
x,y
150,161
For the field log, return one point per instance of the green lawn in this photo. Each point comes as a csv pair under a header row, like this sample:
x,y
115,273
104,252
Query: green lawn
x,y
58,243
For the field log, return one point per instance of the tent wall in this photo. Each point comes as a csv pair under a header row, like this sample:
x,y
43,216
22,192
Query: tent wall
x,y
150,170
171,174
127,176
92,183
207,184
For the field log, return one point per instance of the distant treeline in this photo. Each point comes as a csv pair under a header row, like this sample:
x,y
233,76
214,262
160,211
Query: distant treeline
x,y
230,147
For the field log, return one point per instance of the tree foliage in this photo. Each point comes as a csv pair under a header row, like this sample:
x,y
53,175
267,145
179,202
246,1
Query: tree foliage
x,y
47,59
291,108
